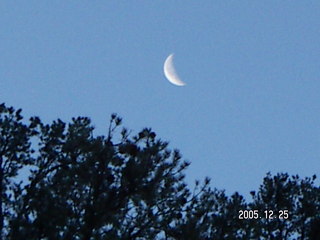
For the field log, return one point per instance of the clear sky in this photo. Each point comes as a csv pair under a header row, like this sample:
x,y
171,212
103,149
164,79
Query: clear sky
x,y
252,68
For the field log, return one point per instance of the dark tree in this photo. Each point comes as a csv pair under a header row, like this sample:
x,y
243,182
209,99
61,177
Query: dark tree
x,y
61,181
299,197
15,153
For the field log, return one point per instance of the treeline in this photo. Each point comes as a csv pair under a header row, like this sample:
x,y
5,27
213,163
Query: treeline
x,y
60,181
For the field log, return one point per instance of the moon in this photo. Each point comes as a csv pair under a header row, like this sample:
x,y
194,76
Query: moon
x,y
170,72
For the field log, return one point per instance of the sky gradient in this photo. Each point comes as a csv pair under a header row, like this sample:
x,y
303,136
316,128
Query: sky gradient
x,y
252,69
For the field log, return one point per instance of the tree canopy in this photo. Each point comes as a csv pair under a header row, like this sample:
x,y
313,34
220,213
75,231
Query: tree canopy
x,y
61,181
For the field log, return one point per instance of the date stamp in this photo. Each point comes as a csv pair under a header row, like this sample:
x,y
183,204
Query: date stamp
x,y
266,214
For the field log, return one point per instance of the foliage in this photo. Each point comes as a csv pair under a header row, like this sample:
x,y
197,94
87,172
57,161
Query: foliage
x,y
82,186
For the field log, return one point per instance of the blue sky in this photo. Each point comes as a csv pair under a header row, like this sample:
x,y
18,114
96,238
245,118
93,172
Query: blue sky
x,y
252,68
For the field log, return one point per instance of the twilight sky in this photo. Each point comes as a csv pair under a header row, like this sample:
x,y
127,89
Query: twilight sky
x,y
252,68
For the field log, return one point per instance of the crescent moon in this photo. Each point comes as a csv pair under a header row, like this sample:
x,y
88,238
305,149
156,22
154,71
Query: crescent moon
x,y
170,72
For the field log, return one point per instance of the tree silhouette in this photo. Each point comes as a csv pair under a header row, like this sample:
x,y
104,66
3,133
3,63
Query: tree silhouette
x,y
300,197
118,186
